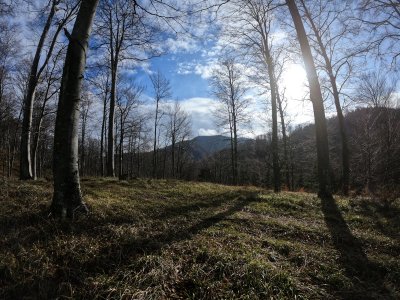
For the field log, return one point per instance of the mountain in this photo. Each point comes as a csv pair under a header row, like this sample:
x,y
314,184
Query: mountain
x,y
202,146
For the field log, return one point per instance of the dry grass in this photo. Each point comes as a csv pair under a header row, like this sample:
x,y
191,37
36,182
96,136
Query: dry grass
x,y
177,240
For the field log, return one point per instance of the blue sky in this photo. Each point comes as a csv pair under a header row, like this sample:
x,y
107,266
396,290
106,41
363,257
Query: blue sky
x,y
183,86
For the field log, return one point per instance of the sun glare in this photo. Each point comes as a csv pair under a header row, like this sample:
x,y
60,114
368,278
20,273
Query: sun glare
x,y
294,82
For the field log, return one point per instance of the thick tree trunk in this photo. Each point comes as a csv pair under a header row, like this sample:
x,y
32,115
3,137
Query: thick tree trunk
x,y
335,92
317,102
67,197
25,158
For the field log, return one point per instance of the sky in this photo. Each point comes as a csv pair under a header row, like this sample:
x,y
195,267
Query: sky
x,y
188,63
189,67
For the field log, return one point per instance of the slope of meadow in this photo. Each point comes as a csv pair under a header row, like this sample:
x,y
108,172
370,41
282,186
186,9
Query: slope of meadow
x,y
176,240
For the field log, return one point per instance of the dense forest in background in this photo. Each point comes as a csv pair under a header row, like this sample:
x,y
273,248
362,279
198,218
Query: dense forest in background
x,y
49,103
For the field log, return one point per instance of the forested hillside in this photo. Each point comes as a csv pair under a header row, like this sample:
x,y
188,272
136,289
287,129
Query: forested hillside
x,y
374,146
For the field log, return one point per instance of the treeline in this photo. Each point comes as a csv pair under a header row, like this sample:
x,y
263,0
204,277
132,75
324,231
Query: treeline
x,y
46,93
374,149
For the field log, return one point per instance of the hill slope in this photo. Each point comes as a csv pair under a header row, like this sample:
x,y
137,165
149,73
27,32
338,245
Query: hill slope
x,y
177,240
202,146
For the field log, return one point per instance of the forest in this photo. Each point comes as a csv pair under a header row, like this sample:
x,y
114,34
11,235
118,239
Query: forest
x,y
200,149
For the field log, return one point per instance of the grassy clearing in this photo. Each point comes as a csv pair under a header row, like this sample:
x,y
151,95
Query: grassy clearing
x,y
176,240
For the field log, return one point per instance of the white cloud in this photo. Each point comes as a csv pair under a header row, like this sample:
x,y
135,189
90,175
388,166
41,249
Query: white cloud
x,y
207,132
181,44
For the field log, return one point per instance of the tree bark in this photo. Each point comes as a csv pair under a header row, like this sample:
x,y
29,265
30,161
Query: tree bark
x,y
317,102
67,197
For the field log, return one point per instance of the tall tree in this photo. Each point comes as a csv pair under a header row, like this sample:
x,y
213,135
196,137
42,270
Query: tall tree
x,y
251,28
317,102
34,76
67,197
327,41
162,91
128,99
229,88
122,30
46,91
85,105
178,128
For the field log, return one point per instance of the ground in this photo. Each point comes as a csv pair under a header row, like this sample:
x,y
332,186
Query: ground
x,y
155,239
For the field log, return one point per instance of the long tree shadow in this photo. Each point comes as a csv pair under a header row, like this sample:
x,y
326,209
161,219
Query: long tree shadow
x,y
125,251
149,244
384,216
366,278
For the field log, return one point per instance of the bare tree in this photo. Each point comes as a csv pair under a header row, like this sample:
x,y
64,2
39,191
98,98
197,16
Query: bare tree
x,y
46,92
85,105
162,91
35,73
178,128
317,102
122,30
101,84
327,41
128,100
376,90
383,17
229,88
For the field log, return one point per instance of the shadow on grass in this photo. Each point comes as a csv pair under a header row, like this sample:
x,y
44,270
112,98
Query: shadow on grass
x,y
147,244
375,210
366,278
121,251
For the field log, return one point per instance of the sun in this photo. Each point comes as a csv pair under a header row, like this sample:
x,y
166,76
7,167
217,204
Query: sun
x,y
294,82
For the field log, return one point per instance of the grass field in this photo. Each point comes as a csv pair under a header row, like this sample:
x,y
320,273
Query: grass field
x,y
176,240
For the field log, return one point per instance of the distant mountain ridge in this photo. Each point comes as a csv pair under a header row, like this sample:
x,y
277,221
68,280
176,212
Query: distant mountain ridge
x,y
202,146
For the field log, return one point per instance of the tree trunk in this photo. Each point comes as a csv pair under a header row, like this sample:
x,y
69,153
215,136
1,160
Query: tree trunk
x,y
335,92
103,128
284,139
67,197
111,116
317,102
235,144
155,142
25,160
274,143
82,160
173,156
121,149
